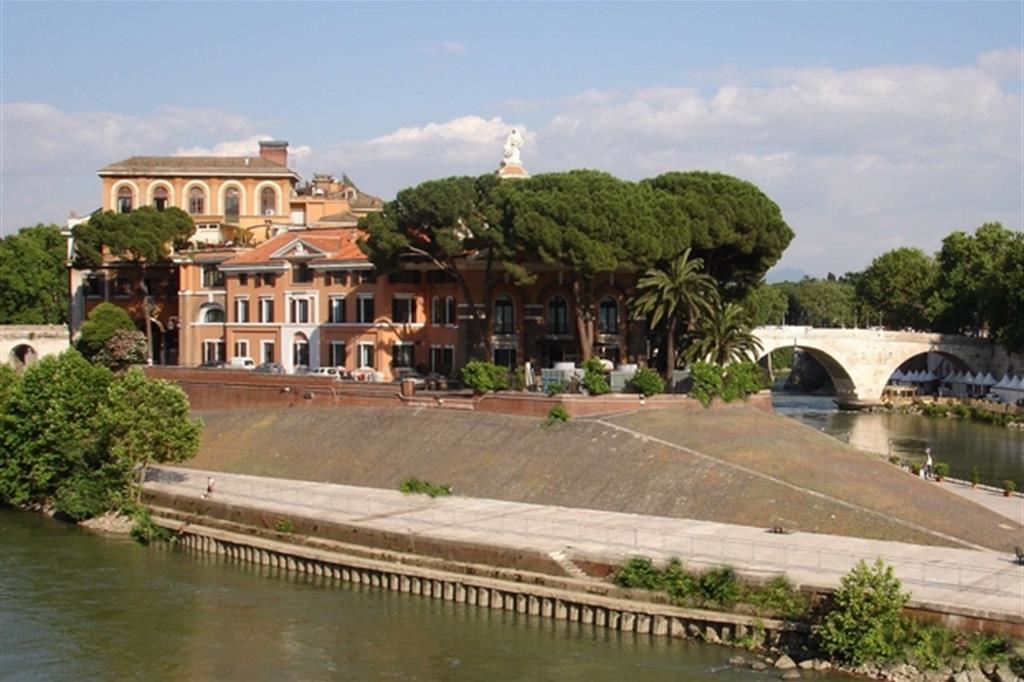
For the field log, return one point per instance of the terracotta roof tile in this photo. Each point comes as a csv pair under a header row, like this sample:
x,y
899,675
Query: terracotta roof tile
x,y
338,245
209,165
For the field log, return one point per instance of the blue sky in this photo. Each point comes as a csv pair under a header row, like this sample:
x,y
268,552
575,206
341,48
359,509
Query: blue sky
x,y
873,125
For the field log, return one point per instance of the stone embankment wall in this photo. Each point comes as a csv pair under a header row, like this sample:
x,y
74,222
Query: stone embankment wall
x,y
232,389
532,594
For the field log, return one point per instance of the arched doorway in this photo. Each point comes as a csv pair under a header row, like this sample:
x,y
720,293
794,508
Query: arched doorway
x,y
23,355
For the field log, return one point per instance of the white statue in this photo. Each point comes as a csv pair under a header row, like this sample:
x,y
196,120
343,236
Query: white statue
x,y
510,152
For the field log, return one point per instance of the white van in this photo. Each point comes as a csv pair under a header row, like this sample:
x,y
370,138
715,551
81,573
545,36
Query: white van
x,y
241,362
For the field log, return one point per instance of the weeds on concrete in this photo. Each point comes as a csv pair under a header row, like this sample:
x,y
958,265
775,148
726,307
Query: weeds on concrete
x,y
557,414
414,486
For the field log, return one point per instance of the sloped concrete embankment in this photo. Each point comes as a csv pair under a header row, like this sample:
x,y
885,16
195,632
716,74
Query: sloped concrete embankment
x,y
733,465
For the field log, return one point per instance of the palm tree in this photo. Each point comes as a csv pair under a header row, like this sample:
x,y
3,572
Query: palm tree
x,y
723,336
680,292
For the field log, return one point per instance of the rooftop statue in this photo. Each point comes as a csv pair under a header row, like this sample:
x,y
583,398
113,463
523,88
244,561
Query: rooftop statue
x,y
510,151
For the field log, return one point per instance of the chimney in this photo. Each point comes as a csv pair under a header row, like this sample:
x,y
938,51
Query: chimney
x,y
275,151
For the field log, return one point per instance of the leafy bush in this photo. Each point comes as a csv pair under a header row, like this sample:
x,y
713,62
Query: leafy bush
x,y
593,377
144,530
556,414
99,327
975,475
741,379
557,388
483,377
941,469
639,572
83,496
1009,485
284,525
124,348
719,586
413,485
679,584
647,382
519,379
866,622
779,597
708,382
933,645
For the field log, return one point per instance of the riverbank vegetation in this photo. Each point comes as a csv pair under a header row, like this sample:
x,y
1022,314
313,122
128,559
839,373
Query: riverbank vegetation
x,y
77,437
954,411
862,628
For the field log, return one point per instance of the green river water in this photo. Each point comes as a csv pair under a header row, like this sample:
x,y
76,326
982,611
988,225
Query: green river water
x,y
75,605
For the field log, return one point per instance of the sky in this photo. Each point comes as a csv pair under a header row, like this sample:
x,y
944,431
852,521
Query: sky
x,y
873,125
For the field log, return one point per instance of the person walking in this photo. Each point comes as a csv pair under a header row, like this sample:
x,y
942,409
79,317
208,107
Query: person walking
x,y
928,463
209,487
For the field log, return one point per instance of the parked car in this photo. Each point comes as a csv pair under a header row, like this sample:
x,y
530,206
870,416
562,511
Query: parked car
x,y
241,362
269,368
402,375
212,364
336,373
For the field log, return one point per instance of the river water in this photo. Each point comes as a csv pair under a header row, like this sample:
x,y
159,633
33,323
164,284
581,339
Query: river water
x,y
82,606
997,451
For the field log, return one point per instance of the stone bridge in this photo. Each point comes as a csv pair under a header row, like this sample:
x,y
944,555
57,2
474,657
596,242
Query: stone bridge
x,y
23,344
860,361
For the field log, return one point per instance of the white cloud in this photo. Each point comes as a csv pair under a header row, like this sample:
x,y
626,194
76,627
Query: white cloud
x,y
249,146
453,47
859,160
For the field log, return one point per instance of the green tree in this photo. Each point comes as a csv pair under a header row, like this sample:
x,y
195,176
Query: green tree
x,y
823,303
589,224
144,236
146,420
967,284
103,322
679,294
723,336
1005,308
124,348
766,304
33,277
734,227
866,622
444,222
48,428
897,284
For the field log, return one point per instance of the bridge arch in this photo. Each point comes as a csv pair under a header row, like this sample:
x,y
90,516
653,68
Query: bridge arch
x,y
833,366
22,355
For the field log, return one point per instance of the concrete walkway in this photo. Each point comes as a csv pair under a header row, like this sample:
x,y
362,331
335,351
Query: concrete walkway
x,y
969,581
1011,507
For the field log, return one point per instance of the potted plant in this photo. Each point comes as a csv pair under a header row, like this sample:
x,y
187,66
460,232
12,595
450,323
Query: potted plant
x,y
1008,487
975,477
941,469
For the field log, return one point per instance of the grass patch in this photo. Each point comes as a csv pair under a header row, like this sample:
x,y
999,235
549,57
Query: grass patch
x,y
415,486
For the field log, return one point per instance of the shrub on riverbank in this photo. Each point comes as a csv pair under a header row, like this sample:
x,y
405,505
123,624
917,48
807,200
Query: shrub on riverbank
x,y
483,377
735,381
716,587
413,485
76,437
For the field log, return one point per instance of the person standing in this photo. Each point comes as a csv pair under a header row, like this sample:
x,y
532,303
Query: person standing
x,y
928,463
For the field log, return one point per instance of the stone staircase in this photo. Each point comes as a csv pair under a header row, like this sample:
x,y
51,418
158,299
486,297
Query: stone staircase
x,y
572,570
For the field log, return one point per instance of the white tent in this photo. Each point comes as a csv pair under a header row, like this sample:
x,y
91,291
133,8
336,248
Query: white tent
x,y
987,380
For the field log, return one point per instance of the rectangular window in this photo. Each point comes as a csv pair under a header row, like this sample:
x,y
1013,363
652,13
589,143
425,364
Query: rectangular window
x,y
505,357
338,354
367,277
442,358
364,309
267,351
405,277
241,309
95,286
332,277
366,355
243,279
213,278
440,277
403,310
337,309
402,355
266,310
299,310
213,351
301,274
122,286
242,349
266,278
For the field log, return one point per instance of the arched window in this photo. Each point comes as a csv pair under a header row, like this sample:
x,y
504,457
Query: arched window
x,y
232,205
160,198
212,314
268,201
608,316
124,199
196,201
558,316
504,315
